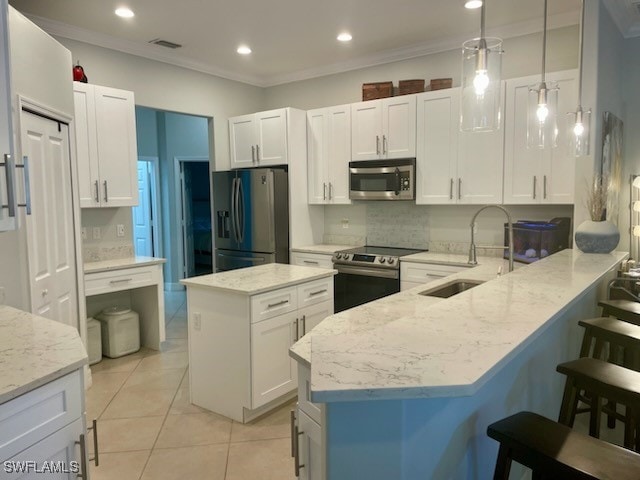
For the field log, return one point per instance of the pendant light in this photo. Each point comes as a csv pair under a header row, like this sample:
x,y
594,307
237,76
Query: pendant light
x,y
481,68
542,108
579,124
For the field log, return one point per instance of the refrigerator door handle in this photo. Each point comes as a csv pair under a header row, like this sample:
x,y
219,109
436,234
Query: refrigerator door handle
x,y
240,211
233,209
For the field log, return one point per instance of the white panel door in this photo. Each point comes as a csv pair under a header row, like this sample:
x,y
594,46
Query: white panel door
x,y
271,128
86,144
338,153
50,231
437,147
317,155
273,372
366,130
142,221
399,127
242,141
117,147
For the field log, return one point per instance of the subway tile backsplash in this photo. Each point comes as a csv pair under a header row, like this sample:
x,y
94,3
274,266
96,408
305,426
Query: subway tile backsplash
x,y
397,224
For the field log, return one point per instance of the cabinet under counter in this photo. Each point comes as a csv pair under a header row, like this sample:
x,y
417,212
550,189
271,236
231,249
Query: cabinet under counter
x,y
241,325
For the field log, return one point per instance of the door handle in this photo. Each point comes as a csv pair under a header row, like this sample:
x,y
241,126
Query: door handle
x,y
97,191
240,197
94,429
83,458
253,153
9,171
459,188
398,181
377,145
384,144
324,191
292,424
296,456
451,190
106,191
297,330
330,191
535,180
304,325
258,153
544,187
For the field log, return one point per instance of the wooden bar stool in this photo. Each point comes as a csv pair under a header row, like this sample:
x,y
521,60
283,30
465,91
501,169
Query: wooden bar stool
x,y
601,380
555,451
613,340
626,310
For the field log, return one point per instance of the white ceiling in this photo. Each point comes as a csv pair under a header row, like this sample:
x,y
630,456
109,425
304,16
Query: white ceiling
x,y
291,39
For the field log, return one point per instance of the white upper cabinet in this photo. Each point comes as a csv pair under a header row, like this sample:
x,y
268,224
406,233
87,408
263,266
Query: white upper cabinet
x,y
384,128
7,184
259,139
535,175
454,167
106,146
329,151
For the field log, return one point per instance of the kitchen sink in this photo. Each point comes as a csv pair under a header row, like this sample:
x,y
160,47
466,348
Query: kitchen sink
x,y
452,288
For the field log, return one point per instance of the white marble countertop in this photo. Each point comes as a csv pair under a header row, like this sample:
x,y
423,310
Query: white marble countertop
x,y
259,279
121,263
35,351
413,346
322,248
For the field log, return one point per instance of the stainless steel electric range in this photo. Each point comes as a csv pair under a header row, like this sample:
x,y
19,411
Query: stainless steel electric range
x,y
366,274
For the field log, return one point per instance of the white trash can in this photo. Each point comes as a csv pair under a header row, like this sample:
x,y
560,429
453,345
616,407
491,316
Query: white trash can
x,y
120,331
94,341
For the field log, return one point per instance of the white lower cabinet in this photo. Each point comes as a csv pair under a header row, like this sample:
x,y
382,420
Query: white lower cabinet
x,y
413,274
239,345
308,443
41,431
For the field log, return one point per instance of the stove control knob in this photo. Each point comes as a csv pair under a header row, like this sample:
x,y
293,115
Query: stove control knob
x,y
390,260
382,260
338,256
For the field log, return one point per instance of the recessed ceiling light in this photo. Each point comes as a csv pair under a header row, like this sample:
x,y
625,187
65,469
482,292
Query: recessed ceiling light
x,y
124,12
243,50
345,37
473,3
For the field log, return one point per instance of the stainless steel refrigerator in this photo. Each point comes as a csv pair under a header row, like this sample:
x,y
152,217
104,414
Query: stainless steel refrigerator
x,y
251,217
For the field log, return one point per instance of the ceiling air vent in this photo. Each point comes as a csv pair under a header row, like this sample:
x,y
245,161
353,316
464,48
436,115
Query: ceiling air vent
x,y
165,43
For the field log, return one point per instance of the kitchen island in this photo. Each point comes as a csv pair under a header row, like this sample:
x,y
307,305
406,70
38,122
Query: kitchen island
x,y
409,383
241,326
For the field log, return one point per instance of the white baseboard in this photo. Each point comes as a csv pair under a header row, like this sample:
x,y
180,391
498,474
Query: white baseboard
x,y
173,287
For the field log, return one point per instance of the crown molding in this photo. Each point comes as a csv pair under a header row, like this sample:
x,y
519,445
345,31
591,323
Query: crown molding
x,y
144,50
625,15
138,49
422,49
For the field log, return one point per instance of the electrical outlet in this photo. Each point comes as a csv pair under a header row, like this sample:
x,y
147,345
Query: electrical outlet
x,y
3,297
84,233
345,223
96,233
120,230
197,321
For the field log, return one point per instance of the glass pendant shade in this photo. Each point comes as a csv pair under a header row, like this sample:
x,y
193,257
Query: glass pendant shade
x,y
481,83
542,115
579,132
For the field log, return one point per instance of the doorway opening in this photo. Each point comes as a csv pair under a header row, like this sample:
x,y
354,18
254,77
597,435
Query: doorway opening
x,y
146,216
195,199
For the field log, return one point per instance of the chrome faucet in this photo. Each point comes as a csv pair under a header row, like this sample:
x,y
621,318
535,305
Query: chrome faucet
x,y
473,260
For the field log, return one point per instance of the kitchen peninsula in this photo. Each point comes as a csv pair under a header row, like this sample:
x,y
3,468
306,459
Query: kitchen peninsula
x,y
409,382
241,326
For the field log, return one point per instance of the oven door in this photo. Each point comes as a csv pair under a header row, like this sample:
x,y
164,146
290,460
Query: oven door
x,y
382,180
354,286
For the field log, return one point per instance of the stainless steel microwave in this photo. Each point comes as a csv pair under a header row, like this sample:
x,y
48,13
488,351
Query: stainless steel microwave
x,y
383,179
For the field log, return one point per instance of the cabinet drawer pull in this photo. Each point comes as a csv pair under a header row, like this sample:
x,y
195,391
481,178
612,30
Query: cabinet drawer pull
x,y
83,458
311,262
318,292
97,191
94,430
434,275
277,304
123,280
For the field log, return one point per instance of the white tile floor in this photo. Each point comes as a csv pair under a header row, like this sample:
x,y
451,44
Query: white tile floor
x,y
148,430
